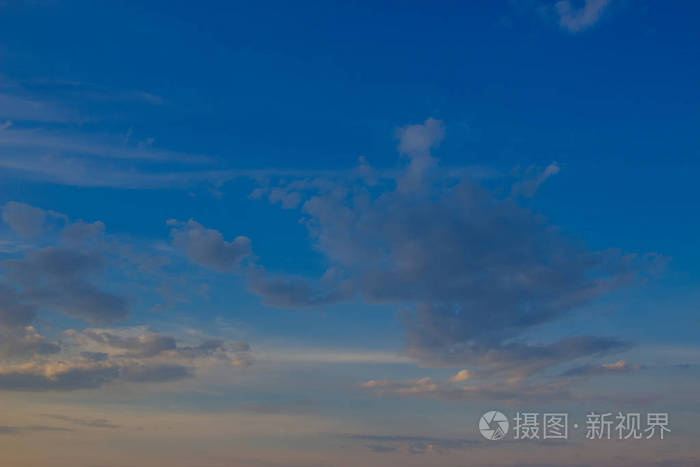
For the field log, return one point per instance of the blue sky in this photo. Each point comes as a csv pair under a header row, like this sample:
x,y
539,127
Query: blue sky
x,y
292,213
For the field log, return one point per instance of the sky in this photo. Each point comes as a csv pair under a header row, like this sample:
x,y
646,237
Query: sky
x,y
337,233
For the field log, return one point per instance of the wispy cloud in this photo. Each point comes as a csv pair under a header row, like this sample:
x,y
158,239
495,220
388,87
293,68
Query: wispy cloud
x,y
577,19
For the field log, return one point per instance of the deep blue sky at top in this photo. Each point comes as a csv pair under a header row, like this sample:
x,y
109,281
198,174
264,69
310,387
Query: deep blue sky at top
x,y
313,85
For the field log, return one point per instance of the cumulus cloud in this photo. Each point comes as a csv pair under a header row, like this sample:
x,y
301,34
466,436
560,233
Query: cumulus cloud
x,y
73,374
420,138
94,358
78,232
461,375
577,19
57,375
25,343
207,247
24,219
57,278
136,344
416,141
472,272
286,291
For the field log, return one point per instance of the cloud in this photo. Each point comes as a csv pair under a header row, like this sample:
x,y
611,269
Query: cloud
x,y
423,385
78,232
287,199
412,444
134,344
420,138
57,376
56,278
462,375
91,423
25,343
416,141
379,448
471,272
33,143
207,247
13,312
30,222
94,358
69,375
219,349
24,219
157,373
292,291
507,392
621,366
22,108
527,188
577,19
140,346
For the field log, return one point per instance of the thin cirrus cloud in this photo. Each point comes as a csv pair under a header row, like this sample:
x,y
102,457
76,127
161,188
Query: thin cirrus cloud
x,y
38,142
621,366
14,107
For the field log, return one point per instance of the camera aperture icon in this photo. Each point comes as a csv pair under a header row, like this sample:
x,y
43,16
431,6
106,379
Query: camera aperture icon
x,y
493,425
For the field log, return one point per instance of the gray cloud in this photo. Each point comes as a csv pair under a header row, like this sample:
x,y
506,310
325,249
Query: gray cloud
x,y
95,356
91,423
207,247
24,219
57,376
9,430
292,292
509,391
56,278
157,373
76,374
137,345
413,444
472,272
13,312
78,232
211,347
380,448
147,345
529,186
25,343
